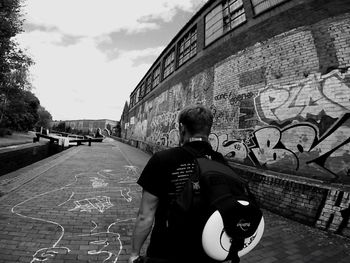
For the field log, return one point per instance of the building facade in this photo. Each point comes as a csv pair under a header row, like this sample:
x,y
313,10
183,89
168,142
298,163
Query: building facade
x,y
276,75
87,126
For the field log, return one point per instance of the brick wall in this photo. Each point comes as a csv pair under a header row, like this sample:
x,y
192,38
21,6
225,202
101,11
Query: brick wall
x,y
308,201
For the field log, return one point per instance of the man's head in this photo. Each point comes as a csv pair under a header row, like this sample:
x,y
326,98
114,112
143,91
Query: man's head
x,y
195,121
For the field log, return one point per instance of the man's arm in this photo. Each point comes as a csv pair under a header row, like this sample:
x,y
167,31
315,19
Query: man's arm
x,y
144,222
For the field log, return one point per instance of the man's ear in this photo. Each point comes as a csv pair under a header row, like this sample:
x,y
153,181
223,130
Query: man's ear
x,y
181,133
182,129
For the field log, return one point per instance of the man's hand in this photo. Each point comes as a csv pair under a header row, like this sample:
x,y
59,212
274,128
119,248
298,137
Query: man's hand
x,y
135,259
143,225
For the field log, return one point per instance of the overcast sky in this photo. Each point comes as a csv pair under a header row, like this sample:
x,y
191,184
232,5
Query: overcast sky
x,y
90,54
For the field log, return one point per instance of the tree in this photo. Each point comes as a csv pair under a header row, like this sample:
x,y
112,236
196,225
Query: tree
x,y
22,112
10,25
18,106
45,118
61,126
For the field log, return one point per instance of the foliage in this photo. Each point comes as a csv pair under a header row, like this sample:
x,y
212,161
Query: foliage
x,y
19,108
61,127
21,112
10,26
44,118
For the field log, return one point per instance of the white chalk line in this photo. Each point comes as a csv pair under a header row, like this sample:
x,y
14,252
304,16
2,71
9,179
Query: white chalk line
x,y
42,220
71,196
105,242
45,252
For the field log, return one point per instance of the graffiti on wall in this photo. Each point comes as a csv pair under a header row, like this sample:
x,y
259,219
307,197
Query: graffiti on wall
x,y
156,119
300,148
308,129
313,98
164,129
200,88
335,213
234,99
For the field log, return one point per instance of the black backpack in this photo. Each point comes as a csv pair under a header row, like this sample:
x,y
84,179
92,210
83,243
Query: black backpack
x,y
213,186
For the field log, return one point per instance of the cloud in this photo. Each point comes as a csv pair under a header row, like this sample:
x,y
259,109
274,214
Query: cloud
x,y
71,81
28,27
93,18
80,70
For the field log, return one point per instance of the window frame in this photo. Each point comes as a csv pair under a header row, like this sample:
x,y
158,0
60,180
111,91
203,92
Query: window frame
x,y
133,99
156,77
187,46
142,90
220,22
231,14
170,65
280,2
148,83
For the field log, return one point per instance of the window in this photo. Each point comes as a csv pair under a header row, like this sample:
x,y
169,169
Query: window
x,y
156,76
132,100
169,64
188,46
223,18
233,14
142,91
149,84
260,6
137,96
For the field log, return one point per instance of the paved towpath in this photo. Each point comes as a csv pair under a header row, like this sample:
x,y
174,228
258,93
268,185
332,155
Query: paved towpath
x,y
80,206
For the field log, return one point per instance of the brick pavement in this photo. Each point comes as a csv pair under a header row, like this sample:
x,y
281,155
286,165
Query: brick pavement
x,y
79,206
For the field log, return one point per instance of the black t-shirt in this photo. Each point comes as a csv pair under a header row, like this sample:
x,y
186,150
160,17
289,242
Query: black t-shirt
x,y
164,176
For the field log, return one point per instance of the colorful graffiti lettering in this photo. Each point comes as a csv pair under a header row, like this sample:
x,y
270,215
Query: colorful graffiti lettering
x,y
223,118
296,149
164,121
314,98
231,149
164,129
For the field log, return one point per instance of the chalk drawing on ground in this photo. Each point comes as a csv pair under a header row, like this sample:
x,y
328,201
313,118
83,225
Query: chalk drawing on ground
x,y
131,174
92,194
100,203
98,182
45,254
106,241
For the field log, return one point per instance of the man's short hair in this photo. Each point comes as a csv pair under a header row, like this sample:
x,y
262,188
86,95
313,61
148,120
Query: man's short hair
x,y
198,119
